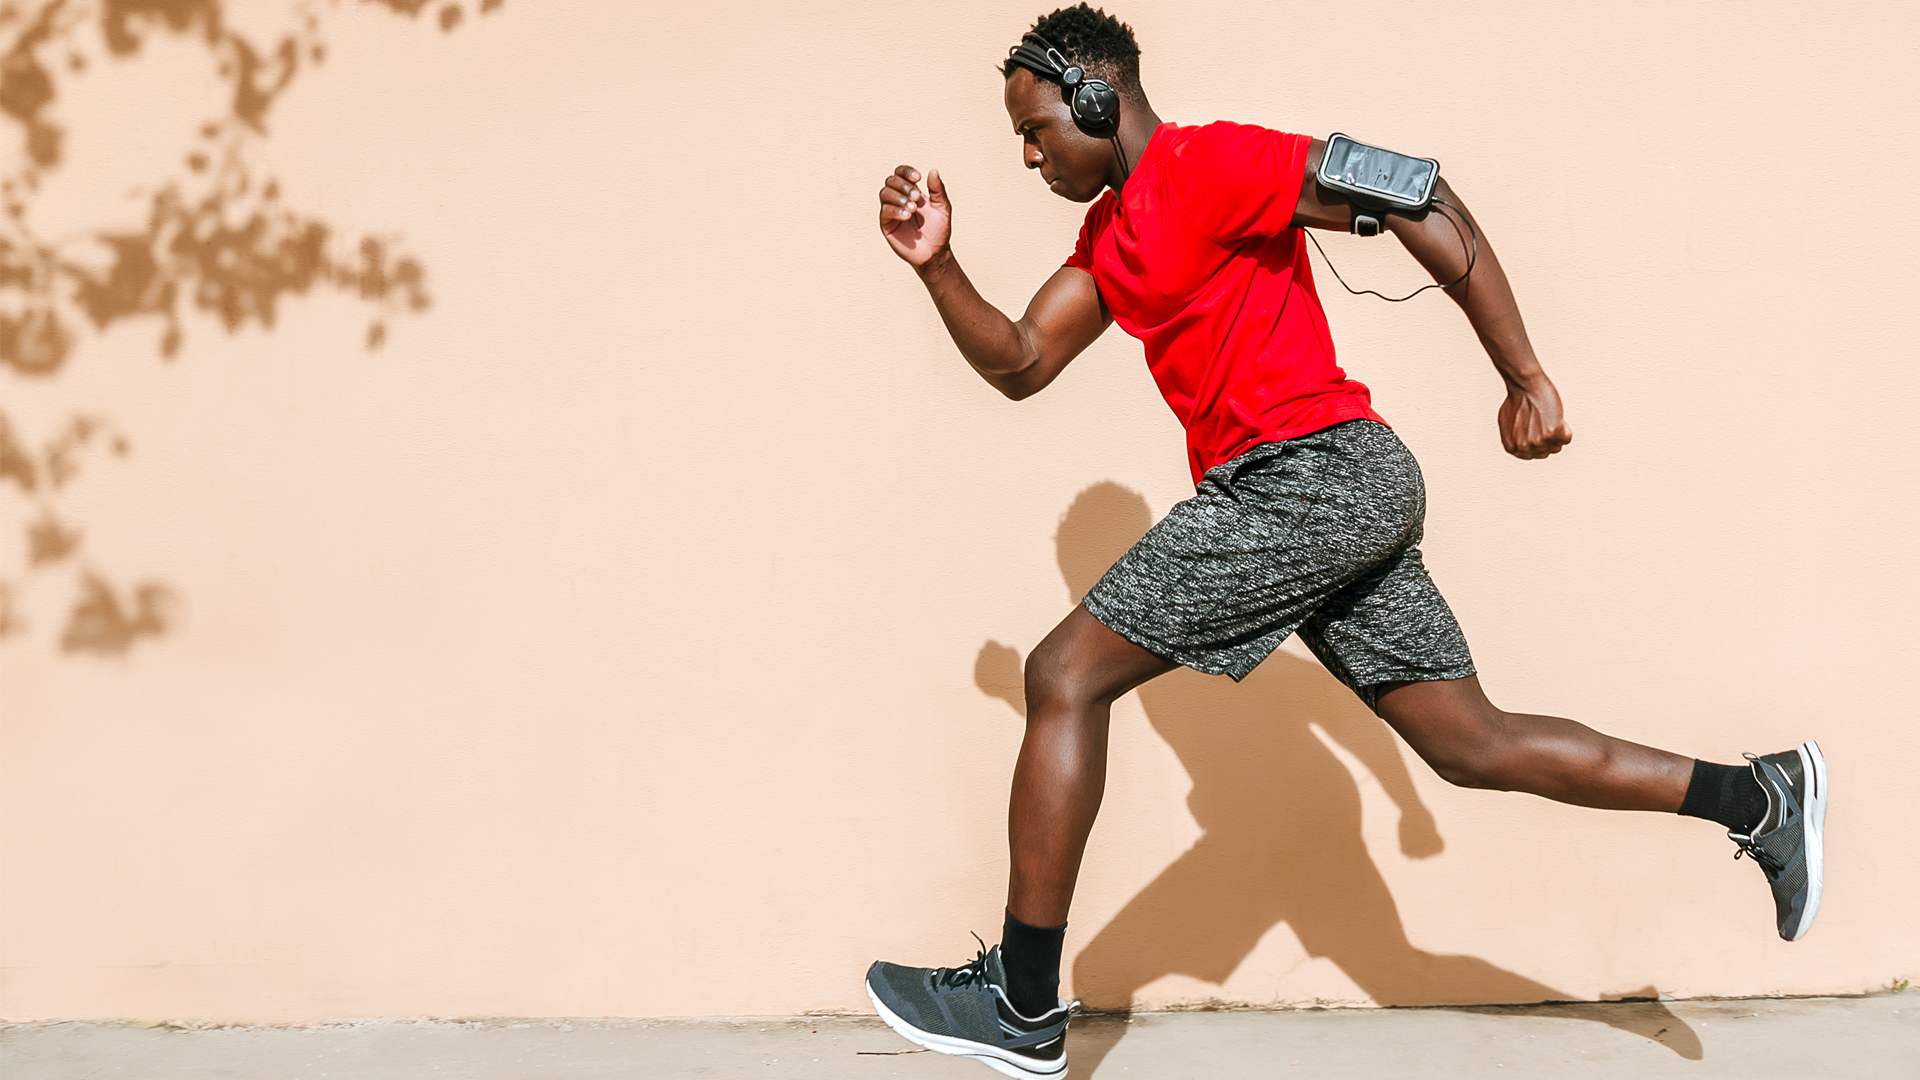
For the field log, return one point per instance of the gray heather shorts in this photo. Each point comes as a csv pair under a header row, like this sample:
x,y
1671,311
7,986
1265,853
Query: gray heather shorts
x,y
1319,535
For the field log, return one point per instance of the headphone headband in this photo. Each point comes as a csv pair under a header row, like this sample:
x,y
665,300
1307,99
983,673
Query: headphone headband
x,y
1039,56
1095,105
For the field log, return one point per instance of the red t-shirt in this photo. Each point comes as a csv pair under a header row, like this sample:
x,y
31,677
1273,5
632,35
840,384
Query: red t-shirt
x,y
1198,261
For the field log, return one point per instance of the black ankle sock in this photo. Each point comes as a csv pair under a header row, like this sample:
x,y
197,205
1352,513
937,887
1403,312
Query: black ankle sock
x,y
1032,957
1727,794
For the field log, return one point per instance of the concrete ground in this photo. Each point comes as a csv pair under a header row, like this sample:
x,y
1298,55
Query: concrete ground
x,y
1827,1038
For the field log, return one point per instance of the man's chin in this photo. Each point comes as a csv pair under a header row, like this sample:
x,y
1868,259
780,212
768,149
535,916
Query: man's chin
x,y
1060,188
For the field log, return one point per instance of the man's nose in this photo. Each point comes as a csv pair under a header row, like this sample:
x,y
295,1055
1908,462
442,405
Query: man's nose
x,y
1033,157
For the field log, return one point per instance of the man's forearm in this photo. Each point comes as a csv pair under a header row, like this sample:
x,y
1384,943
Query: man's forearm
x,y
986,337
1445,244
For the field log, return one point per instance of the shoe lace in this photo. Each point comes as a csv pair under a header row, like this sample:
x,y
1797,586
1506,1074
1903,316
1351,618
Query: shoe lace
x,y
1770,864
965,974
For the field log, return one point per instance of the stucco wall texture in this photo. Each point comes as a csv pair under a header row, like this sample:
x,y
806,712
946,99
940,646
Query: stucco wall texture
x,y
617,613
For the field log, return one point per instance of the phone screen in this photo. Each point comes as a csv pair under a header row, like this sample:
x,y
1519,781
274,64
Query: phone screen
x,y
1400,178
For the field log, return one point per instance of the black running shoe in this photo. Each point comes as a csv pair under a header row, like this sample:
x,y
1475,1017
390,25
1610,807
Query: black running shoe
x,y
965,1011
1788,843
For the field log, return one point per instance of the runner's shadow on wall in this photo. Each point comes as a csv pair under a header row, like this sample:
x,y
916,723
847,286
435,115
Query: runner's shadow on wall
x,y
1281,838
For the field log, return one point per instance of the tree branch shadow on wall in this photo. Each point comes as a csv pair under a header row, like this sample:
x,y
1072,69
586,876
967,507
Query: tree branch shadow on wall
x,y
216,239
1281,833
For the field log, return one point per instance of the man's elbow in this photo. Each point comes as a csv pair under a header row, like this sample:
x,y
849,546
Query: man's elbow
x,y
1021,382
1016,388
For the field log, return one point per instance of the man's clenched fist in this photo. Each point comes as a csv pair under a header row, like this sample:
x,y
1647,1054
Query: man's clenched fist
x,y
917,220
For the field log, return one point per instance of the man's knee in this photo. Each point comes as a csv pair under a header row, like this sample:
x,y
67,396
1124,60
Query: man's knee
x,y
1082,665
1054,681
1476,750
1483,767
1063,676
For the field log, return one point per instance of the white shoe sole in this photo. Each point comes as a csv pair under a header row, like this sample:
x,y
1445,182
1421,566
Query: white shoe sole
x,y
1813,818
946,1044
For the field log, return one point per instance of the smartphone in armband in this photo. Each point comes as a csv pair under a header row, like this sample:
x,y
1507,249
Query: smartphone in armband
x,y
1376,181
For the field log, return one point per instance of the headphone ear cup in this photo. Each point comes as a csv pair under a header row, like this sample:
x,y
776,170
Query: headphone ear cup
x,y
1096,106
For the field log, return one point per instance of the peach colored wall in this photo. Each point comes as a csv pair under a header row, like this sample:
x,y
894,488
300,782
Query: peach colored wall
x,y
628,633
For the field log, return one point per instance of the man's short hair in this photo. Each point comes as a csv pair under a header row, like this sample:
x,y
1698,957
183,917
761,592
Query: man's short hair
x,y
1100,44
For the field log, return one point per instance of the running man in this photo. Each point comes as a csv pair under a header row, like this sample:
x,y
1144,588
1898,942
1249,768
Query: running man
x,y
1307,515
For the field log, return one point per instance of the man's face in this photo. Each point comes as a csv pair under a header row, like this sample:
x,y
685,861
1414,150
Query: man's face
x,y
1073,163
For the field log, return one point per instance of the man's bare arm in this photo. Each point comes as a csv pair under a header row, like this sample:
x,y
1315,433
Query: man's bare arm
x,y
1018,358
1532,424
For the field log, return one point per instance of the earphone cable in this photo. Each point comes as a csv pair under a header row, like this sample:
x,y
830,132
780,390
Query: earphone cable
x,y
1473,256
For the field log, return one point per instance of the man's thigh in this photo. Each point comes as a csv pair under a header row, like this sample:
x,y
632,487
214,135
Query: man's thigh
x,y
1390,627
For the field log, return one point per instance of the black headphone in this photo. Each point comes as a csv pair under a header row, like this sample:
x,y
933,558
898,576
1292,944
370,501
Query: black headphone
x,y
1095,105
